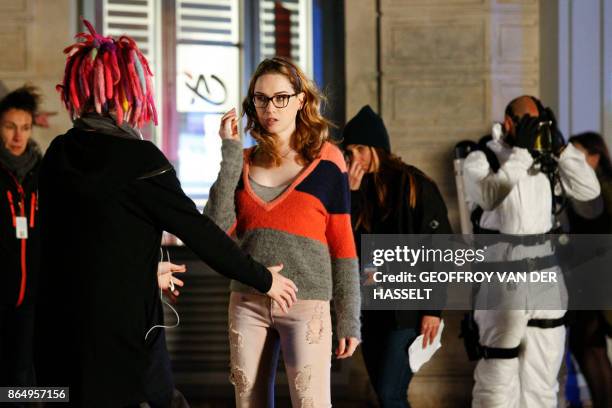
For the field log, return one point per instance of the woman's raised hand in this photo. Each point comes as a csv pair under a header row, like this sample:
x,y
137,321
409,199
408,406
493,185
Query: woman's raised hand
x,y
355,175
229,125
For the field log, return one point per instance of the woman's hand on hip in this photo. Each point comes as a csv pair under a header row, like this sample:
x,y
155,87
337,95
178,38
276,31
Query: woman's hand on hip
x,y
346,347
283,290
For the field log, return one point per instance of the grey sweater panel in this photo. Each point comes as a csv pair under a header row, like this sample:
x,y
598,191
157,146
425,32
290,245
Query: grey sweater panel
x,y
305,261
221,207
347,297
308,264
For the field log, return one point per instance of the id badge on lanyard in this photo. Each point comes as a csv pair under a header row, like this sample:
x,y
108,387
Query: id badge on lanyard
x,y
21,227
20,222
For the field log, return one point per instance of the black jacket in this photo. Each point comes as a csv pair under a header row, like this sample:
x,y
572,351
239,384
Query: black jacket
x,y
20,257
105,201
429,216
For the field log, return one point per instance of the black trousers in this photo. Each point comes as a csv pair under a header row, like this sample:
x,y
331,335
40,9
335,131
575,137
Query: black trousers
x,y
158,383
16,354
385,355
157,380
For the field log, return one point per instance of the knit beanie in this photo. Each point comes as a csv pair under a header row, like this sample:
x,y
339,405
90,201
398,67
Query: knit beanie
x,y
366,128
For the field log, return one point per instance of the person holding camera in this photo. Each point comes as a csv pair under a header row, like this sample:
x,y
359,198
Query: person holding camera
x,y
512,180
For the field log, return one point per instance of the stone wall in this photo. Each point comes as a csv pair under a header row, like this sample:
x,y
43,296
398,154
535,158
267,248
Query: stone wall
x,y
33,34
447,69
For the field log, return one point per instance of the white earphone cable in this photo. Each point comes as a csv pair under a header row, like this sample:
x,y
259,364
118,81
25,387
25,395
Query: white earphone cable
x,y
161,296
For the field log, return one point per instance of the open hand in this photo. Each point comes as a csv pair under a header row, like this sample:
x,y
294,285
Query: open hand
x,y
166,281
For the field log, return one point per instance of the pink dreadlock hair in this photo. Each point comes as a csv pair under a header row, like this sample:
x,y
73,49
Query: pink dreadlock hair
x,y
108,75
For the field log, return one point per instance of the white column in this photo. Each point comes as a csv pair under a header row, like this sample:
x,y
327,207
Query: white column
x,y
585,67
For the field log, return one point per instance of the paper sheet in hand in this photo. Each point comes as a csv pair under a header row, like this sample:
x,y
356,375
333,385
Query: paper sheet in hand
x,y
419,355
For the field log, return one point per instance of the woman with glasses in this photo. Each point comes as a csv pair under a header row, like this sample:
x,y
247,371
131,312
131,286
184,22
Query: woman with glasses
x,y
286,200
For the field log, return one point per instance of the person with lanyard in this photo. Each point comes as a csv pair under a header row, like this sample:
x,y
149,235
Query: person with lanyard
x,y
20,159
106,197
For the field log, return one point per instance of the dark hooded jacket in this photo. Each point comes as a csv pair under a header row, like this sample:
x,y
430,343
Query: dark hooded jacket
x,y
429,215
105,201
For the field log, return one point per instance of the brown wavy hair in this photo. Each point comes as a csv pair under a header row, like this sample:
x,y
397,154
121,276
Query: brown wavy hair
x,y
312,129
387,169
595,144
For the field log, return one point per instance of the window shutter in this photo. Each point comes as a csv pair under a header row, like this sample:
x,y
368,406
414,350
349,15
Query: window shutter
x,y
134,18
299,33
207,22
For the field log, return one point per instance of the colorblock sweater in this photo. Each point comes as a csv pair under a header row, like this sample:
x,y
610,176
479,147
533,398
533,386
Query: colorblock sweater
x,y
307,228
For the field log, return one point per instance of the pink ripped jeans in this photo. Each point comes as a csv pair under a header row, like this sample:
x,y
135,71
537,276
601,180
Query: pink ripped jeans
x,y
258,329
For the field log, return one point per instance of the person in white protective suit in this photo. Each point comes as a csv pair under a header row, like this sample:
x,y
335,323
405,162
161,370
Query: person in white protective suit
x,y
523,348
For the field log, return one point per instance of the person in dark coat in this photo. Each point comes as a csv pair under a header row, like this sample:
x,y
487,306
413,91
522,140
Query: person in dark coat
x,y
389,196
106,196
589,328
19,238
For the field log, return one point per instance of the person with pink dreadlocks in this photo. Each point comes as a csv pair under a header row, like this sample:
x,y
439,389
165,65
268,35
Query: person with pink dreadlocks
x,y
106,195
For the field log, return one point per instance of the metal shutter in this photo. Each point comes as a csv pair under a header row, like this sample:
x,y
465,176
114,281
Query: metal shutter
x,y
301,41
135,18
207,22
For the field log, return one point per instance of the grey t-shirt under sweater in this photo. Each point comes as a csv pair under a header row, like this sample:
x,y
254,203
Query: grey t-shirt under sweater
x,y
267,193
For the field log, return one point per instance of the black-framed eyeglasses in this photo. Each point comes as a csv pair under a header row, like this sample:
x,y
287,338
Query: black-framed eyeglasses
x,y
279,101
